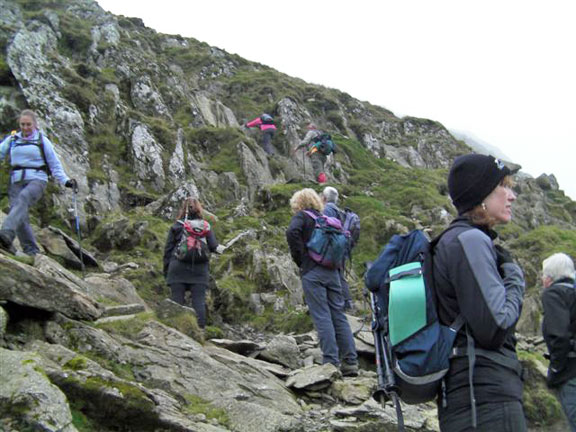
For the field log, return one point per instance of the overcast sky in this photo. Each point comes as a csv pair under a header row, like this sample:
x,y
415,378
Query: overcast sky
x,y
503,71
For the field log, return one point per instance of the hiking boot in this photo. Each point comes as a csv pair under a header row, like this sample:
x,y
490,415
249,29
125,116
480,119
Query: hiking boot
x,y
349,369
6,239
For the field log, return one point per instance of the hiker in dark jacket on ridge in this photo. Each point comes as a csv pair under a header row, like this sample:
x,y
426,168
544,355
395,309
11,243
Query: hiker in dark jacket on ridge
x,y
559,329
184,276
32,158
321,286
479,280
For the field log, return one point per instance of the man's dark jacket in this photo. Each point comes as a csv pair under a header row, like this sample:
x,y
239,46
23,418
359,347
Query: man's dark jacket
x,y
559,328
473,278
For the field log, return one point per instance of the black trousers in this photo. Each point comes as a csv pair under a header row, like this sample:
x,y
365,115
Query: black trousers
x,y
198,297
490,417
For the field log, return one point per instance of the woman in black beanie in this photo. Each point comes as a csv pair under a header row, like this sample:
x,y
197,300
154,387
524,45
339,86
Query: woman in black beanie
x,y
478,280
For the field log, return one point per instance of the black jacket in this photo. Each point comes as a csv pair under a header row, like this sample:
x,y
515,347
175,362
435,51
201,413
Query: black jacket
x,y
176,271
471,279
559,328
297,235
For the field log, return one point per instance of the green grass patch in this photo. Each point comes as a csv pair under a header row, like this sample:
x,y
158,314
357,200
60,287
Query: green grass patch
x,y
296,322
128,328
541,407
197,405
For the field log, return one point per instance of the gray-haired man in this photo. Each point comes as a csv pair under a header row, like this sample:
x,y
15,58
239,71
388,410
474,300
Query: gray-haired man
x,y
559,328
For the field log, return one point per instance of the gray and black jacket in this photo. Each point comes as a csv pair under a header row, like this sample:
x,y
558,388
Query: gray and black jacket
x,y
559,328
472,280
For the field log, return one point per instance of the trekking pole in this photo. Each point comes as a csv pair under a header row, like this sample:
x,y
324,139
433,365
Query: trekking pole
x,y
74,192
386,384
304,163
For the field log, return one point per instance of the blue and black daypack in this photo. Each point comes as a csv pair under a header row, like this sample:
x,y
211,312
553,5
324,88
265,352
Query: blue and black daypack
x,y
324,144
267,119
417,347
327,244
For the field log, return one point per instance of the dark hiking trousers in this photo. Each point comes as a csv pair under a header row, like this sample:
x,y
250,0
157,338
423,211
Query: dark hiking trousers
x,y
24,195
324,298
345,289
197,295
567,395
267,141
491,417
318,161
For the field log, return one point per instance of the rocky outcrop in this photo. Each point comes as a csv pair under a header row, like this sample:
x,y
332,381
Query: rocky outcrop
x,y
28,286
28,400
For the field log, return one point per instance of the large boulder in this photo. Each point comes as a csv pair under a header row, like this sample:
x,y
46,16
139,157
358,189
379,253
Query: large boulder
x,y
28,286
116,290
110,400
282,350
28,400
163,358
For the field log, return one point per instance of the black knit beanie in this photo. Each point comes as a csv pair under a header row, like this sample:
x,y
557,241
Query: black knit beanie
x,y
472,178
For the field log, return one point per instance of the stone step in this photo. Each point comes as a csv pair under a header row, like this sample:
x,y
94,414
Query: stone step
x,y
130,309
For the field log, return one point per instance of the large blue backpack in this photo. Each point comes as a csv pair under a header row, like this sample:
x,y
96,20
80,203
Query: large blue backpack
x,y
417,346
328,242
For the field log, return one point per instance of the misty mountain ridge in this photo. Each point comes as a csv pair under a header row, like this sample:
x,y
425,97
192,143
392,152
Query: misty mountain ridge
x,y
479,145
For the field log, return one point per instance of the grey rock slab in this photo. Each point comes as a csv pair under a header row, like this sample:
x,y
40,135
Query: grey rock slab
x,y
313,378
283,350
114,289
163,358
87,257
113,399
26,392
129,309
231,358
32,287
354,391
56,246
243,347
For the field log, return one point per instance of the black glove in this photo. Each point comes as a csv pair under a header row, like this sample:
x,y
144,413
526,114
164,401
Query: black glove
x,y
502,256
72,184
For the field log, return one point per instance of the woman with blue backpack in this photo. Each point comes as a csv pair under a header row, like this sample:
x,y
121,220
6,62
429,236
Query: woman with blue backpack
x,y
32,161
477,280
320,277
187,257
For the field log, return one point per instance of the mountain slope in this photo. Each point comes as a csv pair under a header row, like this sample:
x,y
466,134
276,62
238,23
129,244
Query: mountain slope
x,y
144,119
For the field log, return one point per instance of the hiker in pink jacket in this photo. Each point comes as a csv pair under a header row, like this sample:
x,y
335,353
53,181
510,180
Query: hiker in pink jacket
x,y
266,124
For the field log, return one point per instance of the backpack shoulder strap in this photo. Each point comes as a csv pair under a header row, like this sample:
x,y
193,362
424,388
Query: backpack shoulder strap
x,y
311,214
